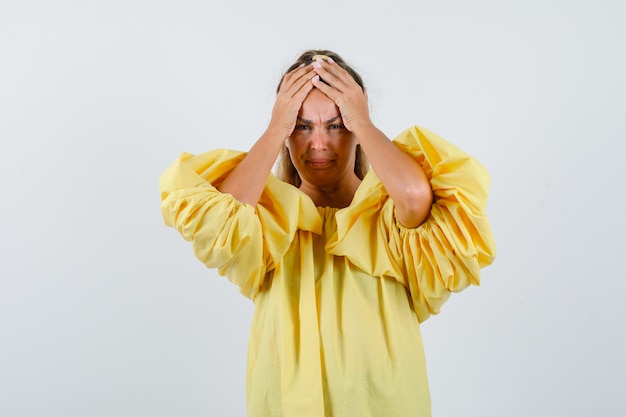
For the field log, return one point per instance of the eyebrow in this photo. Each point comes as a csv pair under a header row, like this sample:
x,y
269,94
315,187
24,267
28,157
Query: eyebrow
x,y
309,122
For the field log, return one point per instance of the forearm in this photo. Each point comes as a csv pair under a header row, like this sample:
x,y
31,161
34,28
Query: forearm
x,y
401,175
247,180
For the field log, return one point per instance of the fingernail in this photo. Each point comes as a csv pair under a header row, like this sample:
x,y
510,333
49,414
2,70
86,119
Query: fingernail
x,y
317,64
330,60
315,79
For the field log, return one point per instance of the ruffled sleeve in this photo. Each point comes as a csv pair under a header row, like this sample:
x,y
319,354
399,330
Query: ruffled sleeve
x,y
241,242
445,253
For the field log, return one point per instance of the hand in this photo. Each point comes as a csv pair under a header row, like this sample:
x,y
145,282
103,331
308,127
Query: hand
x,y
293,90
348,96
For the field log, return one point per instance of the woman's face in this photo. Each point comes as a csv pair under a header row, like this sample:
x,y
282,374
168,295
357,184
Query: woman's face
x,y
321,148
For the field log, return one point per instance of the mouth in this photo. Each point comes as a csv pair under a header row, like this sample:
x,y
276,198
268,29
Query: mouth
x,y
319,163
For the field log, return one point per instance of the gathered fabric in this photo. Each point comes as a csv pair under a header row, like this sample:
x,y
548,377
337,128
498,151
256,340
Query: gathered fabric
x,y
339,293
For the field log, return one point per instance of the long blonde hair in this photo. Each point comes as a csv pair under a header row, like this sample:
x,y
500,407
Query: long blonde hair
x,y
285,170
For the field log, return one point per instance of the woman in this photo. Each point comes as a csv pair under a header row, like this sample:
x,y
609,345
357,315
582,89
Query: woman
x,y
341,263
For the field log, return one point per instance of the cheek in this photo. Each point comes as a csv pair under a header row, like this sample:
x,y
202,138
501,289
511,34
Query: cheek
x,y
292,151
297,143
348,143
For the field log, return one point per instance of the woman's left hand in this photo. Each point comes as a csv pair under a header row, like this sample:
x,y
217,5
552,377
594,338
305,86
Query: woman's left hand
x,y
348,96
401,175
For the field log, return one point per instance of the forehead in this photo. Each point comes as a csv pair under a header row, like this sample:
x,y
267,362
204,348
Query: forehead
x,y
318,105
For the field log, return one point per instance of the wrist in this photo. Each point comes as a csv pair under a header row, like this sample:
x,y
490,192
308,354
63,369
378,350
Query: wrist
x,y
277,132
364,129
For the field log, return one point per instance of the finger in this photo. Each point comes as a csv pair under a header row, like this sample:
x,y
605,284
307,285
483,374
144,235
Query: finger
x,y
298,86
296,78
301,87
334,75
330,91
305,85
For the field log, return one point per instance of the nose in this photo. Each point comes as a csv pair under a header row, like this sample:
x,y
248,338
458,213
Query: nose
x,y
319,140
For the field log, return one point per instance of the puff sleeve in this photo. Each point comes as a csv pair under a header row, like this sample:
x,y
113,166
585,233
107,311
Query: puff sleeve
x,y
223,231
446,253
241,242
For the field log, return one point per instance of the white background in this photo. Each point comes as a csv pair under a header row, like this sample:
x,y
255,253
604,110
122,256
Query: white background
x,y
105,312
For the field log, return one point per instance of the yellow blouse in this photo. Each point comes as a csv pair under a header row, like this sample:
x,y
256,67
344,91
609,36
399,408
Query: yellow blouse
x,y
338,293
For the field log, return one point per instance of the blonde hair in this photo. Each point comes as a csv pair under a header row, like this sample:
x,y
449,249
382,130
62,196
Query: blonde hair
x,y
285,170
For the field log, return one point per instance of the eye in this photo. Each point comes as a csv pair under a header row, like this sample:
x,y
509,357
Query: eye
x,y
336,126
302,127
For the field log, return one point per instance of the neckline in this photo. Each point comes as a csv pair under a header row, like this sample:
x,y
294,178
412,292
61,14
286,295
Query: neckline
x,y
355,197
329,209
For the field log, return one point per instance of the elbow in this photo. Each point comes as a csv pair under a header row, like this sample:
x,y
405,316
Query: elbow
x,y
415,207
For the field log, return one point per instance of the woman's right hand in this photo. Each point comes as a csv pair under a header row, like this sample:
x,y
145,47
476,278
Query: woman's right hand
x,y
247,180
293,90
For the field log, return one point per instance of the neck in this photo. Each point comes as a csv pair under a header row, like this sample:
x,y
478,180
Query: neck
x,y
337,195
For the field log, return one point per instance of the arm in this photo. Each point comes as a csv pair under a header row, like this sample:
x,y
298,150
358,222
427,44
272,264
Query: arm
x,y
246,182
401,175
